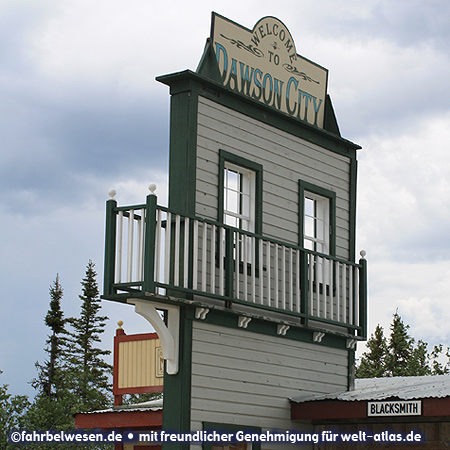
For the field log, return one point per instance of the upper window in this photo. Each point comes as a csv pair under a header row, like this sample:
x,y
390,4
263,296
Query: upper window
x,y
239,197
240,192
317,218
316,227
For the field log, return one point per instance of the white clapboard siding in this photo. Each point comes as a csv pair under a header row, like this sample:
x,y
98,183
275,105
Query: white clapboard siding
x,y
245,378
285,160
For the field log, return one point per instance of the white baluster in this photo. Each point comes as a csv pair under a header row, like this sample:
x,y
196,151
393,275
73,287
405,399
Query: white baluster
x,y
119,247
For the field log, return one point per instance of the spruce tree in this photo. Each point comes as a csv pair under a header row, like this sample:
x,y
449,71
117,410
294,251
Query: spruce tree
x,y
373,361
400,348
12,413
90,374
53,403
401,356
435,358
49,377
418,365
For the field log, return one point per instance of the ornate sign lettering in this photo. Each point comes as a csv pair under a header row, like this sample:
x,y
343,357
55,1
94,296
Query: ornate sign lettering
x,y
263,64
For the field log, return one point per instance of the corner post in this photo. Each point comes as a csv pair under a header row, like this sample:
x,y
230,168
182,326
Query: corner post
x,y
363,294
150,242
110,245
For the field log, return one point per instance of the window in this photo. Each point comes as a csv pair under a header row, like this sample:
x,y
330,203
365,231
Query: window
x,y
240,192
239,197
240,203
317,227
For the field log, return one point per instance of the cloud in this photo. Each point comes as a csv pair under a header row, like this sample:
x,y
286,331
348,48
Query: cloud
x,y
404,205
81,113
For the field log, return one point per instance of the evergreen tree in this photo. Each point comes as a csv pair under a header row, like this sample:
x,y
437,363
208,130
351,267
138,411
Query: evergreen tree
x,y
437,367
50,374
418,365
12,413
373,361
400,348
401,356
90,374
52,407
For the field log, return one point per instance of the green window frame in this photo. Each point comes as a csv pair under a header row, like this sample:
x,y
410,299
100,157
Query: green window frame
x,y
317,192
230,428
227,159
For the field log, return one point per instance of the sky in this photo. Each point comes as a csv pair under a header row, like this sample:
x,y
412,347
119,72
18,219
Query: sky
x,y
81,113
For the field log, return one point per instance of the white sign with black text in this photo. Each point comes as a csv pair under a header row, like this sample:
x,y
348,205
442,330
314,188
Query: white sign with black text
x,y
394,408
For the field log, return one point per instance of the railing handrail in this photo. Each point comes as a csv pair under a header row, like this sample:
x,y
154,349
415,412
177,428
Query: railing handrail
x,y
241,231
318,295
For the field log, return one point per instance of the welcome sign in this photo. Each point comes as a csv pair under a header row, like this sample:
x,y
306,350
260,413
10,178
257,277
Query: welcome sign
x,y
263,64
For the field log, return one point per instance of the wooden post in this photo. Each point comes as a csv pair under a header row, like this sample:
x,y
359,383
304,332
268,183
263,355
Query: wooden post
x,y
150,241
110,245
304,285
363,295
229,243
119,332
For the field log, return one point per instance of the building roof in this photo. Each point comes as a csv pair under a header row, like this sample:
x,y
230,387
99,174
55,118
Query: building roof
x,y
140,415
404,388
151,405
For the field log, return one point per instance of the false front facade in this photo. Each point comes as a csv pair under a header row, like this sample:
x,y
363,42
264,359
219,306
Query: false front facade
x,y
253,261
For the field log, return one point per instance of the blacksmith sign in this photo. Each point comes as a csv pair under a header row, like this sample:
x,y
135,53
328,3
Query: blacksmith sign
x,y
394,408
263,64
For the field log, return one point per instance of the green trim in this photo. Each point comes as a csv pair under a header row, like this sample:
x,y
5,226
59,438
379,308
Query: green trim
x,y
331,195
329,121
183,147
207,66
110,247
259,111
225,156
150,243
228,428
352,206
177,388
229,319
363,297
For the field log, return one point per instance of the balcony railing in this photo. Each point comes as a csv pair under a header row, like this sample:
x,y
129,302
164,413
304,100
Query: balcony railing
x,y
153,249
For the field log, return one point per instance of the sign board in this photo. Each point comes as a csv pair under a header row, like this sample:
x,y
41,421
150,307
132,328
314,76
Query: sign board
x,y
263,64
394,408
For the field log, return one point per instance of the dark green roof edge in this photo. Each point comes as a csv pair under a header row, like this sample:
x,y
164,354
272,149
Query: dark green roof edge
x,y
182,82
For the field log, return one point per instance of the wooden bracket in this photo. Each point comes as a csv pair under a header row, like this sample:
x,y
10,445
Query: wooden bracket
x,y
168,334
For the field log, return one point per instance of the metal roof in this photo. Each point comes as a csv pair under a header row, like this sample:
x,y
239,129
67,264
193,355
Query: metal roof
x,y
404,388
152,405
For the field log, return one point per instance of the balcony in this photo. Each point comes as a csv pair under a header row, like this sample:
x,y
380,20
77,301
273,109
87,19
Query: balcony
x,y
152,250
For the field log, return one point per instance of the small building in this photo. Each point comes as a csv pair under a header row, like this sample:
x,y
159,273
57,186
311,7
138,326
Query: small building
x,y
249,276
137,369
381,413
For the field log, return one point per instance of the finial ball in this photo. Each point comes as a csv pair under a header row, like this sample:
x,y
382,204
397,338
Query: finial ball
x,y
152,188
120,323
112,193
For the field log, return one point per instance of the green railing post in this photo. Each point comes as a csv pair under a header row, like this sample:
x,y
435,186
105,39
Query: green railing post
x,y
229,266
304,285
110,247
191,256
363,295
150,241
